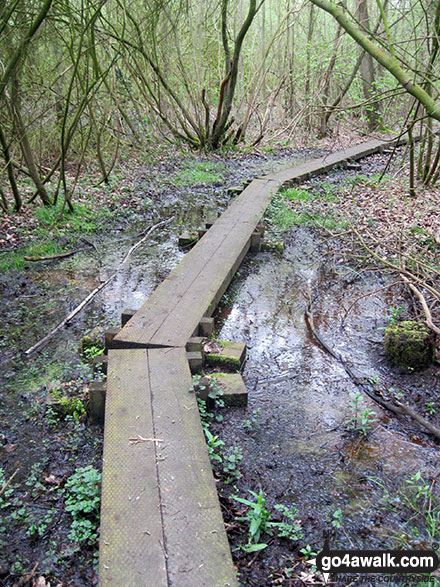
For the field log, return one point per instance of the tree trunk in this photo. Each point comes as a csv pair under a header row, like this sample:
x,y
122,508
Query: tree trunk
x,y
387,59
26,148
10,170
372,108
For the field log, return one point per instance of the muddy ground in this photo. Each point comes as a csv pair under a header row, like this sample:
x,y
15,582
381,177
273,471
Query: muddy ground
x,y
296,434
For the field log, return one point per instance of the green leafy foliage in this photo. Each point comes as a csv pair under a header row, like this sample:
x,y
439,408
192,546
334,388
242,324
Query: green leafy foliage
x,y
93,351
252,423
290,527
215,446
258,520
82,500
232,459
362,420
199,173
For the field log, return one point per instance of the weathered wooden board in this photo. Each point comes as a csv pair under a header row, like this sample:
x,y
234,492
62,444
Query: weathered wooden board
x,y
196,543
161,522
171,314
306,170
132,541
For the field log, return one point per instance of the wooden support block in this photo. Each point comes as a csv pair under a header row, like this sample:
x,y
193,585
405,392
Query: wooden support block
x,y
233,387
126,315
188,239
261,228
224,353
195,361
97,393
194,344
206,327
109,335
255,242
99,364
234,190
272,246
202,232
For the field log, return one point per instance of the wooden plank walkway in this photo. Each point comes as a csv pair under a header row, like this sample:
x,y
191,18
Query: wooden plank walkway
x,y
194,287
192,290
161,522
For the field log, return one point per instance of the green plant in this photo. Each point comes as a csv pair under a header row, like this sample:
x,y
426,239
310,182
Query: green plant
x,y
7,491
82,499
290,527
232,459
430,408
337,519
307,552
215,446
362,419
214,394
206,417
297,195
257,518
92,351
199,172
52,418
40,525
419,508
393,314
252,423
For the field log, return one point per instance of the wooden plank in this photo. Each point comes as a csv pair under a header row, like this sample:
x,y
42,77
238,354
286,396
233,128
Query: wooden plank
x,y
171,314
195,538
327,162
131,543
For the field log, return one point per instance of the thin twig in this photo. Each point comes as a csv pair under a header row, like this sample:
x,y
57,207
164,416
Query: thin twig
x,y
8,482
52,257
371,293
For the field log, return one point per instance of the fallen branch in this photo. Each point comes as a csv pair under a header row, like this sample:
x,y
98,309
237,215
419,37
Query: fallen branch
x,y
399,409
8,482
91,295
423,303
415,416
52,257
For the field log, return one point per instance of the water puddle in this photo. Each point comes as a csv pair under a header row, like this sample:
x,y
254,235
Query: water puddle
x,y
301,452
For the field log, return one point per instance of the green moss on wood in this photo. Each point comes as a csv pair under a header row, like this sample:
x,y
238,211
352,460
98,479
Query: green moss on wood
x,y
216,360
272,246
188,238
